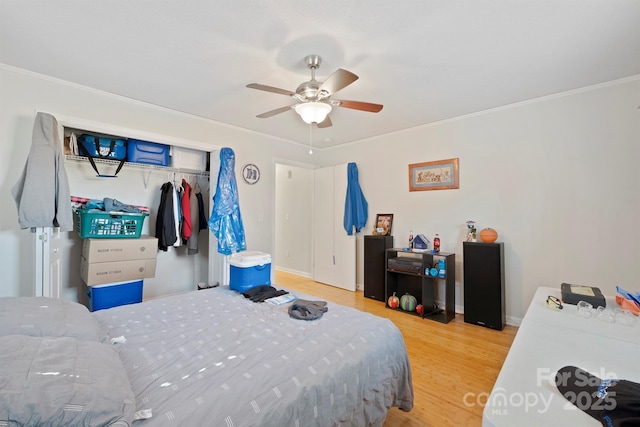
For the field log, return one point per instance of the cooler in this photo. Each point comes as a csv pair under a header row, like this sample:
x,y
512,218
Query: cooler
x,y
114,294
249,269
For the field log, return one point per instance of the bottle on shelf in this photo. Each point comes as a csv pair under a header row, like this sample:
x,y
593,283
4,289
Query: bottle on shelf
x,y
442,268
411,239
436,243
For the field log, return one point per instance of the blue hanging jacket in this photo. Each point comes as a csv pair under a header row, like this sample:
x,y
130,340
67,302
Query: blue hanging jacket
x,y
356,207
226,222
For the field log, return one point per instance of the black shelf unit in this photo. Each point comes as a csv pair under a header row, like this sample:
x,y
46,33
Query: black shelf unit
x,y
423,286
375,248
484,299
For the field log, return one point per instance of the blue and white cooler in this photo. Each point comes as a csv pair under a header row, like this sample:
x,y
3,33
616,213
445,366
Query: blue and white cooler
x,y
249,269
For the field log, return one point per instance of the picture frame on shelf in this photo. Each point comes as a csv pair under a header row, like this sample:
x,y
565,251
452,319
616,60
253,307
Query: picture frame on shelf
x,y
383,224
436,175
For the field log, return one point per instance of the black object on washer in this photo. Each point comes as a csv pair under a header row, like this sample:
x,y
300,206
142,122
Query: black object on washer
x,y
573,294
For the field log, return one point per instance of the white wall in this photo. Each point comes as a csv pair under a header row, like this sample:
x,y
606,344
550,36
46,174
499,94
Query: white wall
x,y
293,230
23,93
558,178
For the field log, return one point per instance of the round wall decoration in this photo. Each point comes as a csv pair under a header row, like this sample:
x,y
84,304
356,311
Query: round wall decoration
x,y
250,173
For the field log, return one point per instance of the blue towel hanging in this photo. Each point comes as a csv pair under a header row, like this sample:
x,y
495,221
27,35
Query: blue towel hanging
x,y
356,207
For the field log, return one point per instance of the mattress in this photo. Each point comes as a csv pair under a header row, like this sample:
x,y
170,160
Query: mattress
x,y
212,357
525,393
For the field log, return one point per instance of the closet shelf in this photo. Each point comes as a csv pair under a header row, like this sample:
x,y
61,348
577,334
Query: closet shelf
x,y
70,157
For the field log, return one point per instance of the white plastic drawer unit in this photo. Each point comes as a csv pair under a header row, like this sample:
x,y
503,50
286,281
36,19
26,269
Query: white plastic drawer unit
x,y
187,158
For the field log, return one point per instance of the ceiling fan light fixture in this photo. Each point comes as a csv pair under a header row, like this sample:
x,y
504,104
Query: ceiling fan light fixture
x,y
313,98
313,112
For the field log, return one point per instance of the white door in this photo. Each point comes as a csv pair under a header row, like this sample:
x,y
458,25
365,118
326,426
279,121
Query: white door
x,y
334,252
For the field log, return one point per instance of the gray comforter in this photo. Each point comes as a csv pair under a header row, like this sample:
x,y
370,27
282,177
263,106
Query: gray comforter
x,y
214,358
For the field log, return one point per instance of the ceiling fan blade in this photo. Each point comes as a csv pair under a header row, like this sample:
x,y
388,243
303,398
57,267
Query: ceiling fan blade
x,y
336,81
325,123
276,111
357,105
270,89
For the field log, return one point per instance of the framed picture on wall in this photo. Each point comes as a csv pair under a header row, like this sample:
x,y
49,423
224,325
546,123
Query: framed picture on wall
x,y
383,225
437,175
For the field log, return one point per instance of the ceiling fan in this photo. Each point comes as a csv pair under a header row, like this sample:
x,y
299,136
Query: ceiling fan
x,y
314,97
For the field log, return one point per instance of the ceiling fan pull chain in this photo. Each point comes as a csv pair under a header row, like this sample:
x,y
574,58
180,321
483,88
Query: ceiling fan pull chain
x,y
310,128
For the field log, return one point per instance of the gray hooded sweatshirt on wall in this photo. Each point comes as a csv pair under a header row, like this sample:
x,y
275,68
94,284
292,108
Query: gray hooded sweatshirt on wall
x,y
42,192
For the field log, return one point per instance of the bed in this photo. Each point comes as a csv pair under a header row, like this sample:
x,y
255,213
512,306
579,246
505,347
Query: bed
x,y
208,357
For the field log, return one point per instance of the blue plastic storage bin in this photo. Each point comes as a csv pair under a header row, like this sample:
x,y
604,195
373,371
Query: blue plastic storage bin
x,y
114,294
150,153
249,269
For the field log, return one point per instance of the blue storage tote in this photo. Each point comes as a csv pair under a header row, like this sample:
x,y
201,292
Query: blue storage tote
x,y
150,153
249,269
114,294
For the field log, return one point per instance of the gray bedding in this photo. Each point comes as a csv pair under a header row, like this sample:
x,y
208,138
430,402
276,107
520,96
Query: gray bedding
x,y
61,381
214,358
47,317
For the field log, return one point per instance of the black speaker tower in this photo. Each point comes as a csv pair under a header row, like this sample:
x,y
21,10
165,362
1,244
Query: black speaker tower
x,y
375,269
484,284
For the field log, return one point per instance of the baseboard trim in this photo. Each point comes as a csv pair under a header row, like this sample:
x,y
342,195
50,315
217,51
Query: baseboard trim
x,y
291,271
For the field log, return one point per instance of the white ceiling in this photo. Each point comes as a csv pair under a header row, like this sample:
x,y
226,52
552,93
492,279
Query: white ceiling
x,y
424,60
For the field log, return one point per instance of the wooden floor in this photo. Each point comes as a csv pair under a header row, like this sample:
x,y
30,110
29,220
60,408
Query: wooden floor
x,y
454,365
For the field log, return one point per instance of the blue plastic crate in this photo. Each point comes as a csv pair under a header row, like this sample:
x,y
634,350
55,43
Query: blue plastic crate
x,y
151,153
114,294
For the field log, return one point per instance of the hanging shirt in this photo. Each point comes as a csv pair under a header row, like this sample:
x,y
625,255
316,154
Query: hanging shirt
x,y
192,241
177,215
186,211
165,225
356,208
42,192
203,217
